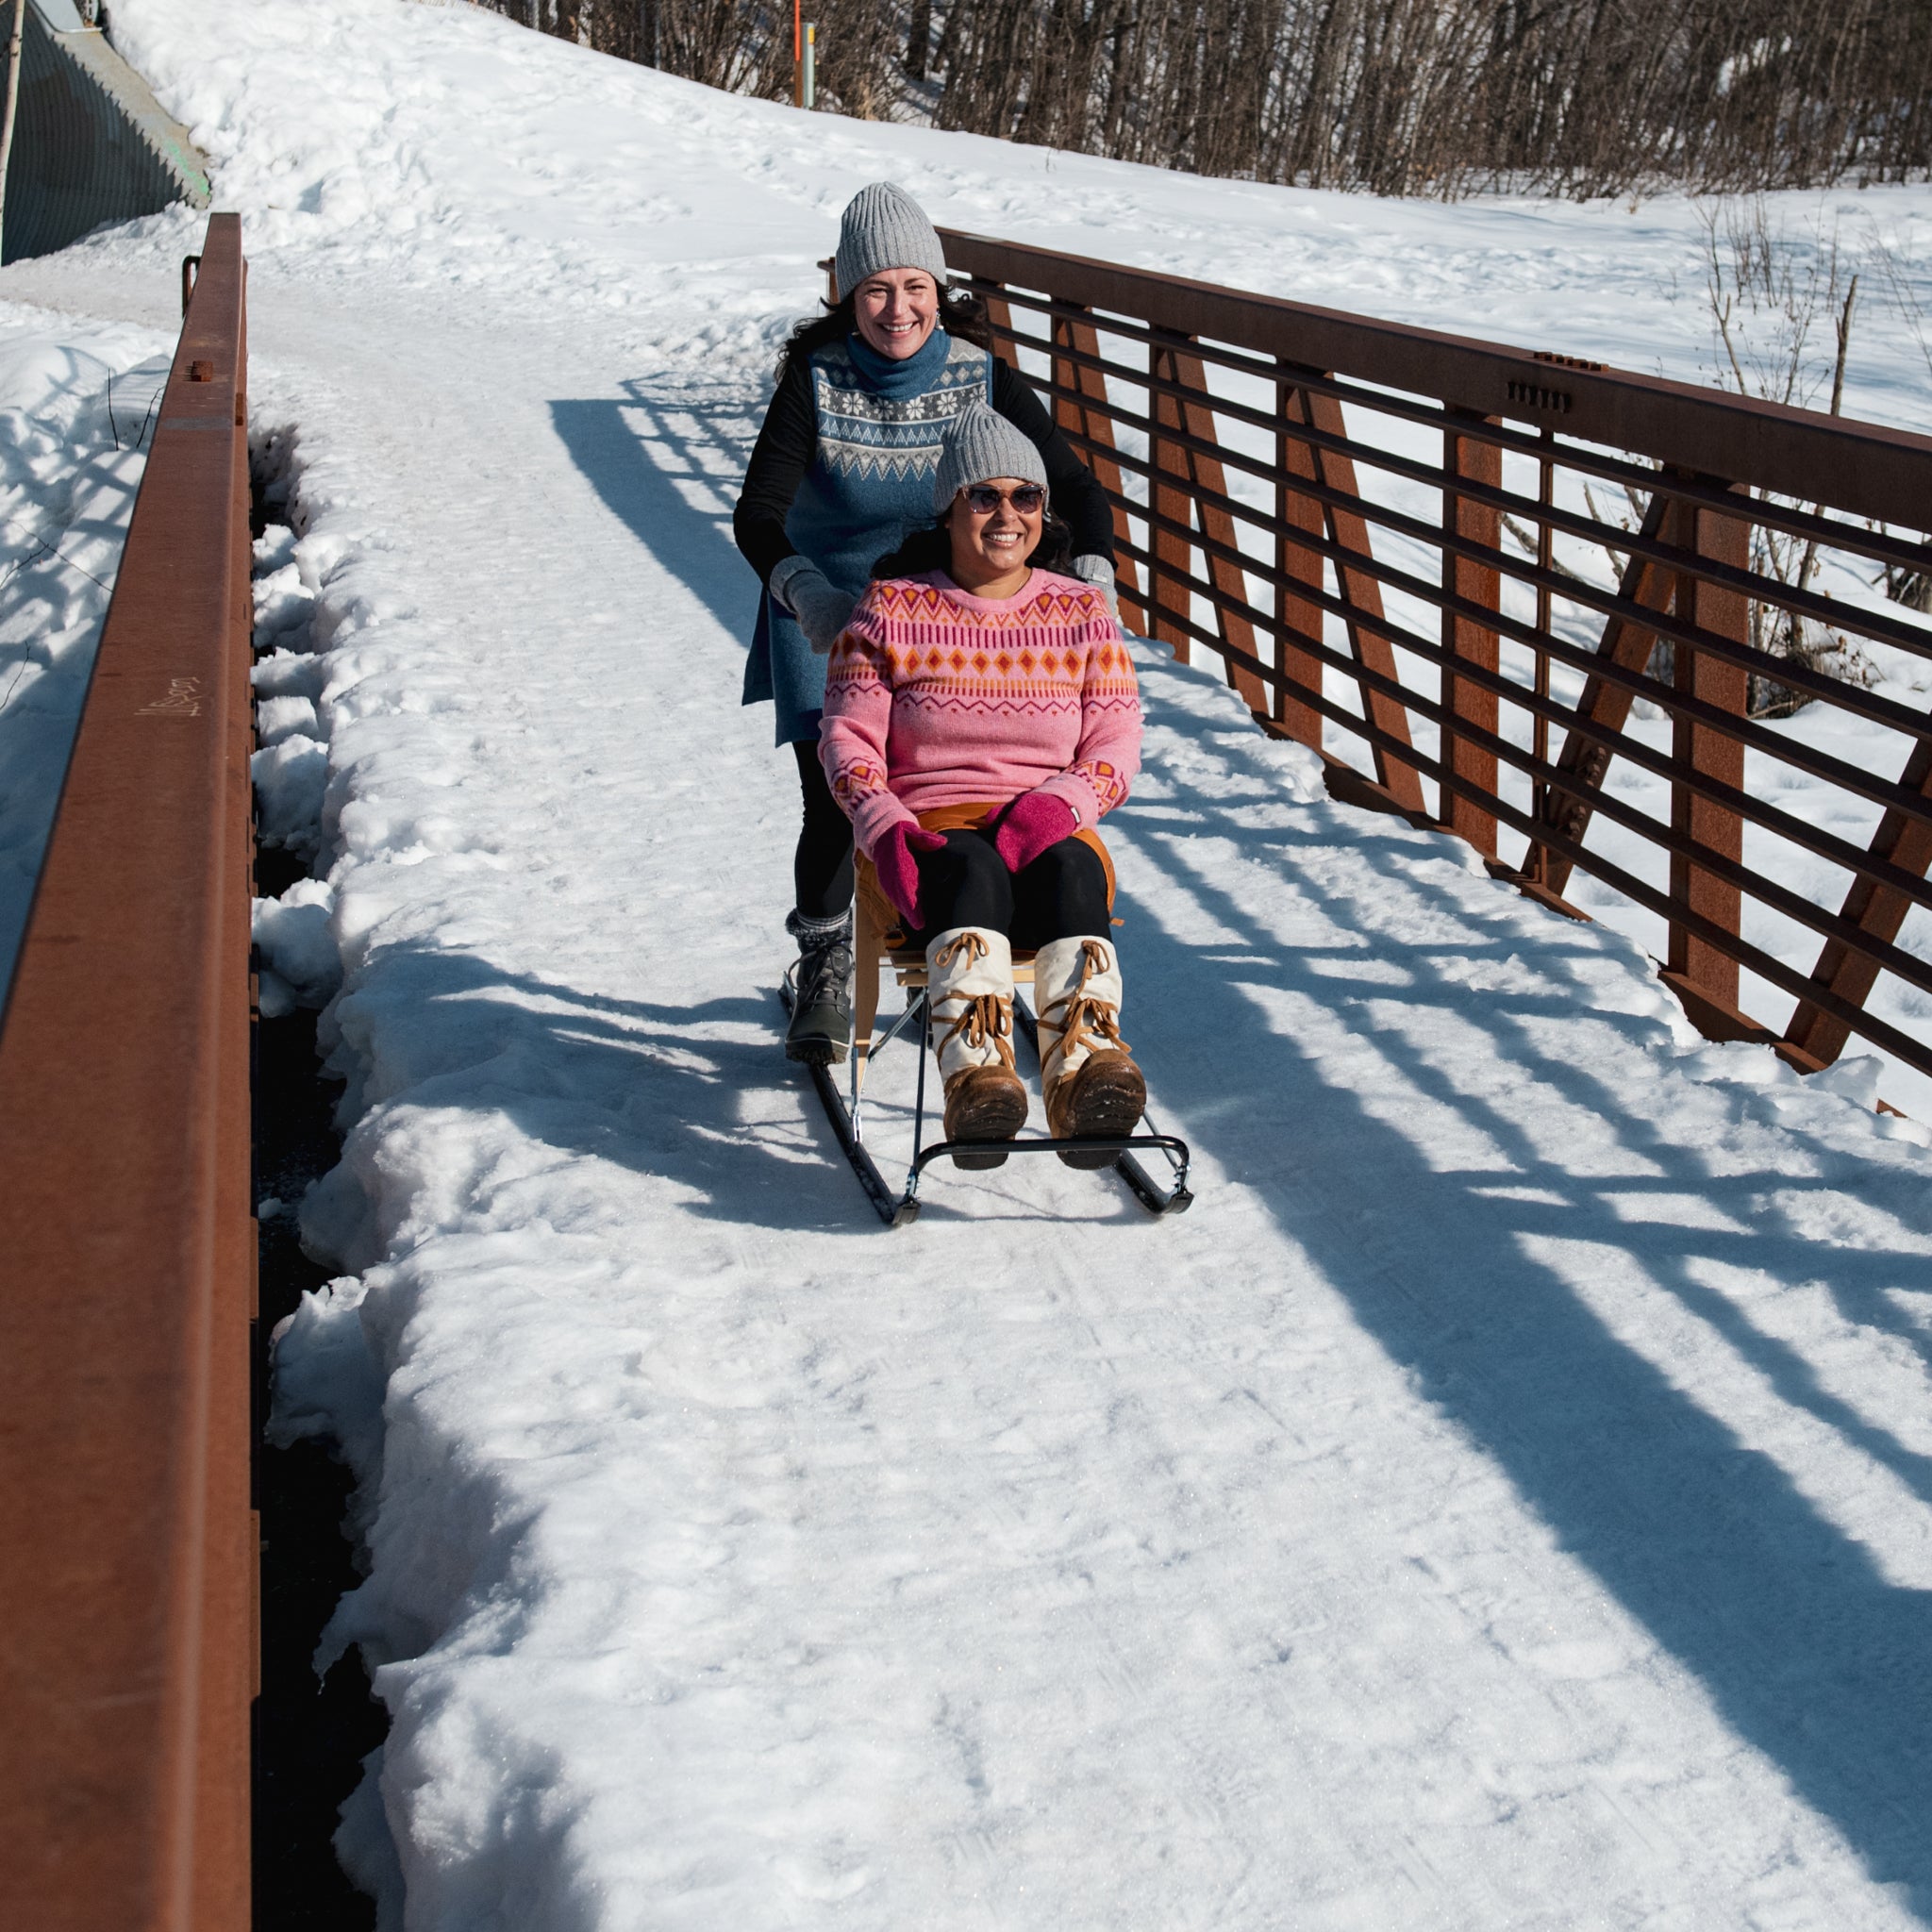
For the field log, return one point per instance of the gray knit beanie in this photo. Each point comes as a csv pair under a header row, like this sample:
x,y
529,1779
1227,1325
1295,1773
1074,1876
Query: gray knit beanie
x,y
982,444
883,227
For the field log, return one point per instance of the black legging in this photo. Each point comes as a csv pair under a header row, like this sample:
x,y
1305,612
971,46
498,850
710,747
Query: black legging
x,y
822,866
1061,895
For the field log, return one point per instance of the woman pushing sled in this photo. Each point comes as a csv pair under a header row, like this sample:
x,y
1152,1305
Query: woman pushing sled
x,y
842,473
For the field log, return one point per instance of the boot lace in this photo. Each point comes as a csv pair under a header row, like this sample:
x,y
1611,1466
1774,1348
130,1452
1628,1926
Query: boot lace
x,y
987,1017
984,1017
822,974
1083,1022
969,942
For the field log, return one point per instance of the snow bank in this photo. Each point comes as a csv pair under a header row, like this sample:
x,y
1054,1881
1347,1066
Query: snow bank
x,y
76,410
1501,1501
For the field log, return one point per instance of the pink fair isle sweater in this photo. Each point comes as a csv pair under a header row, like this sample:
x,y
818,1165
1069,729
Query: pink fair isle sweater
x,y
937,697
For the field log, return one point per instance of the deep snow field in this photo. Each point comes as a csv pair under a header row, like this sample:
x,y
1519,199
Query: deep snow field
x,y
1504,1501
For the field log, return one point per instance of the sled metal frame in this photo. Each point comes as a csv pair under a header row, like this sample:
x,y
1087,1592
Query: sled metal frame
x,y
846,1111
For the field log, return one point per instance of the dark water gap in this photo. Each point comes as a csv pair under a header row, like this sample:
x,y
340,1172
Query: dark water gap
x,y
311,1737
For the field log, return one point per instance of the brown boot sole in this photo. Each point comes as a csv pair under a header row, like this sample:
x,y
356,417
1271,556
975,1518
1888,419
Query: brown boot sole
x,y
815,1052
1107,1096
988,1103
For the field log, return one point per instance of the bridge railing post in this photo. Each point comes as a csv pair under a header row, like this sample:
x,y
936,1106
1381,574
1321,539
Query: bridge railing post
x,y
1464,639
1298,619
1701,754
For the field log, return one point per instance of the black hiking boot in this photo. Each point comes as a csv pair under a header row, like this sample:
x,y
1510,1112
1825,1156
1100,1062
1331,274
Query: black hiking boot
x,y
820,1030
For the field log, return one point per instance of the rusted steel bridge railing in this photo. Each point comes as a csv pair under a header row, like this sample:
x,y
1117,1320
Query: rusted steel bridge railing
x,y
127,1647
1397,542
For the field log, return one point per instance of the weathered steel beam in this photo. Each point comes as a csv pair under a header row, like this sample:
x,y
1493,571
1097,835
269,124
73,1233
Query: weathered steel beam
x,y
1859,467
127,1634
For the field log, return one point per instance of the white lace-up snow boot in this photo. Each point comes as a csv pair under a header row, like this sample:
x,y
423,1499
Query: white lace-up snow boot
x,y
1091,1085
970,976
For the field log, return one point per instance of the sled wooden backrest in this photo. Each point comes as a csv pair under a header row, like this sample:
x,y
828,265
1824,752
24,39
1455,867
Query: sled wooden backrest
x,y
1391,540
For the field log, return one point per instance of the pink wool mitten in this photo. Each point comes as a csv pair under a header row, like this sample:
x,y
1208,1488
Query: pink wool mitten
x,y
1033,822
894,859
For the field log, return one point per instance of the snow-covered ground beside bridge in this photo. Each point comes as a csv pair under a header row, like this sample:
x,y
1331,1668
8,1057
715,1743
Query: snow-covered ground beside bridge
x,y
1505,1499
75,413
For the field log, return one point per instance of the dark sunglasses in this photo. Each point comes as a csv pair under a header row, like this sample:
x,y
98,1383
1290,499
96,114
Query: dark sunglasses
x,y
983,499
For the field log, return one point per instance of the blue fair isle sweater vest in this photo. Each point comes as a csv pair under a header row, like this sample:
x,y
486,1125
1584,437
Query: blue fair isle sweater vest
x,y
880,426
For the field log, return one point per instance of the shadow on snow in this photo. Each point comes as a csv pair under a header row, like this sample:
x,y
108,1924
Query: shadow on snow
x,y
1809,1654
667,459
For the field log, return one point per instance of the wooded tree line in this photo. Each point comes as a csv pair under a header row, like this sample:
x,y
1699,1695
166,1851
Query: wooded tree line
x,y
1398,96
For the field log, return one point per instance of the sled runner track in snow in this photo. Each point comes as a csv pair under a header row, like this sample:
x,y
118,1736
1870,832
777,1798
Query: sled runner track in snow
x,y
1399,543
128,1639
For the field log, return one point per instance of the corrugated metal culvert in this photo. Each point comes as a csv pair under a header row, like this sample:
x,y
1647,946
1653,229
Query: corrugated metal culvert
x,y
91,144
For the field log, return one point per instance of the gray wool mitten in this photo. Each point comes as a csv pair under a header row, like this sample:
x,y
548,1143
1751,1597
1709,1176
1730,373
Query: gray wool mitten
x,y
1095,569
819,605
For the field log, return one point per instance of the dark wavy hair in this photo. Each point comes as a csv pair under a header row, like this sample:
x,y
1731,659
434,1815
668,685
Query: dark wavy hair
x,y
932,549
961,313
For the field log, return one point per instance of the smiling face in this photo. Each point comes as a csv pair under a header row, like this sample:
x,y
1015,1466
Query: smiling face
x,y
897,310
992,535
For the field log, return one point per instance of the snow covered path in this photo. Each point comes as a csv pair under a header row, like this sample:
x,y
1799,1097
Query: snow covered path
x,y
1505,1501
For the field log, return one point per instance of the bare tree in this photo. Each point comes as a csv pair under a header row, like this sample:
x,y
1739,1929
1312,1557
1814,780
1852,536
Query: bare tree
x,y
1398,96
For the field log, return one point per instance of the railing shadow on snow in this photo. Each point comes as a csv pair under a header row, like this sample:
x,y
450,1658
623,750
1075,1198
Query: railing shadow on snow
x,y
667,459
655,1088
1806,1650
47,655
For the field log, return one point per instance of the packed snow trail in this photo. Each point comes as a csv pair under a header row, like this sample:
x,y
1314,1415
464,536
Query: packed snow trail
x,y
1505,1501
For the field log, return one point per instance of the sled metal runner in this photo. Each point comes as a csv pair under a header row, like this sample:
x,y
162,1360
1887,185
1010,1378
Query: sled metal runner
x,y
896,1209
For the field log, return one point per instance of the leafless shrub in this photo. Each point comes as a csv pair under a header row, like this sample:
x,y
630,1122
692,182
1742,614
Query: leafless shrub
x,y
1782,306
1911,588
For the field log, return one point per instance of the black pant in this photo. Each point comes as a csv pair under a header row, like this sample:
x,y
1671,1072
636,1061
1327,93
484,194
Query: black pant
x,y
822,866
1061,895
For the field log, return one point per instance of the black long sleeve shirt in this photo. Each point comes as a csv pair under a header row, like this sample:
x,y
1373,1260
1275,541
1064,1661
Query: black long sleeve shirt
x,y
789,440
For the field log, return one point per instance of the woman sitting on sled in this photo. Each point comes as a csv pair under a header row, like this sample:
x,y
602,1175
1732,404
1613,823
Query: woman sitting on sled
x,y
981,716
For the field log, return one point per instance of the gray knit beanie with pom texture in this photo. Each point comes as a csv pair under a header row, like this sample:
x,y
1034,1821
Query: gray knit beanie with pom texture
x,y
883,227
982,444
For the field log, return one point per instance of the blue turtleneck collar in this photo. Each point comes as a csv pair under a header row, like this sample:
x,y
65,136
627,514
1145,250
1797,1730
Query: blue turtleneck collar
x,y
899,381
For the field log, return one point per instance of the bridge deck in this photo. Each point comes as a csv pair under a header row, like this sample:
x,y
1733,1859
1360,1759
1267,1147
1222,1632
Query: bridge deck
x,y
1502,1499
